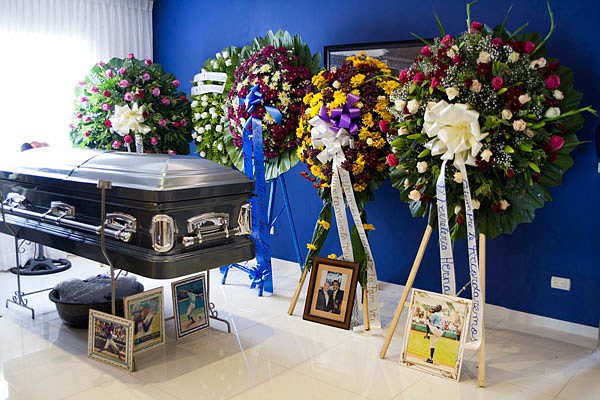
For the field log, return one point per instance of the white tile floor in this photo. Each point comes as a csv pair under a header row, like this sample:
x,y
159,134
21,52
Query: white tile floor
x,y
271,355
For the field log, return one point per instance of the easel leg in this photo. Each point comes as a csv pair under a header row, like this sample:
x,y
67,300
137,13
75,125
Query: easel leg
x,y
481,355
407,287
365,307
297,292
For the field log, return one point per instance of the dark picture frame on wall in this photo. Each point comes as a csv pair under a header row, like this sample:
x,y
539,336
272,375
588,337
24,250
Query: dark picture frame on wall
x,y
331,292
397,55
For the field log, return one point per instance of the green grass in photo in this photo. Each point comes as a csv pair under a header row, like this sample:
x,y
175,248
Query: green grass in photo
x,y
446,350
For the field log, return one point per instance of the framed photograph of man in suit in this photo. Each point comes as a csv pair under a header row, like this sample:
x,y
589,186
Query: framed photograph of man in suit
x,y
331,292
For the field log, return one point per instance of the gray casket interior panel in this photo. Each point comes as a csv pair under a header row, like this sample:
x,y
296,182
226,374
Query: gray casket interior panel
x,y
167,216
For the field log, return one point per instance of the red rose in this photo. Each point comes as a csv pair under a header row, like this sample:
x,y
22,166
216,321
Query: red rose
x,y
426,51
106,93
460,219
497,42
78,115
447,41
556,142
457,59
510,173
403,76
418,78
497,83
128,139
528,47
476,26
392,160
140,94
553,82
435,82
384,126
107,123
87,133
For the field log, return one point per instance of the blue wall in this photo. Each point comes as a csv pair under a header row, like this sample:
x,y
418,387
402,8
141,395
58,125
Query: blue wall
x,y
562,241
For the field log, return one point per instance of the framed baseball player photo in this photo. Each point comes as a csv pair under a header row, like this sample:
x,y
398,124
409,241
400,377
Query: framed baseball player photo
x,y
331,292
110,339
433,338
190,304
146,310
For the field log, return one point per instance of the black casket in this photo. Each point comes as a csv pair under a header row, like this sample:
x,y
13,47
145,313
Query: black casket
x,y
166,216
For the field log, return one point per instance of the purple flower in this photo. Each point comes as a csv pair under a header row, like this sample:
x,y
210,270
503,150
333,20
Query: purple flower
x,y
148,61
122,71
166,101
162,123
128,96
109,73
146,76
156,92
105,107
124,83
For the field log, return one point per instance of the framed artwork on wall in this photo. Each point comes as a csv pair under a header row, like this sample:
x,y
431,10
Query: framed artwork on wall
x,y
397,55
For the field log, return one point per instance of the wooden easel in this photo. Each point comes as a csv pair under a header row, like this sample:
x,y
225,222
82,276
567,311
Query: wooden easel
x,y
408,287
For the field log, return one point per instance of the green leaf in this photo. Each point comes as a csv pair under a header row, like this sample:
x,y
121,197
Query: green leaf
x,y
534,167
424,153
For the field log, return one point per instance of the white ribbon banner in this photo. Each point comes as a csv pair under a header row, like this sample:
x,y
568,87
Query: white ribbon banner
x,y
322,135
201,89
447,257
210,76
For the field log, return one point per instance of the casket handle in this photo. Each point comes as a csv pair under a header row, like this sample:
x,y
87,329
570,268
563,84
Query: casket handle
x,y
62,210
121,222
214,226
208,223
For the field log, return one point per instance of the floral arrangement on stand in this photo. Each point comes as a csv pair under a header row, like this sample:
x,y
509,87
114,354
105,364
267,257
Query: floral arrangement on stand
x,y
281,66
209,110
353,100
489,100
131,105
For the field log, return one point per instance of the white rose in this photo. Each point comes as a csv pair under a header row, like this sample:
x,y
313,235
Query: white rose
x,y
194,104
202,154
336,85
524,98
506,114
194,135
457,209
476,86
414,195
514,57
476,204
450,53
228,62
199,138
225,54
529,133
214,64
537,64
204,115
208,127
197,116
486,155
422,166
413,106
406,183
204,103
519,125
452,92
552,112
399,104
504,204
219,128
458,178
220,147
484,58
558,95
200,130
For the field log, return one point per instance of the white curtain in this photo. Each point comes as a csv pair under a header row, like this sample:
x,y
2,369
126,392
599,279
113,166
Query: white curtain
x,y
46,47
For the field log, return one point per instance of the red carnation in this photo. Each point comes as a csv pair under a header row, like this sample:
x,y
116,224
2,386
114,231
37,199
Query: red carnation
x,y
553,82
418,78
497,42
128,139
447,41
392,160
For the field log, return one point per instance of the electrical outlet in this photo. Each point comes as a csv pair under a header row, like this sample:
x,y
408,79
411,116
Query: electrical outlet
x,y
556,282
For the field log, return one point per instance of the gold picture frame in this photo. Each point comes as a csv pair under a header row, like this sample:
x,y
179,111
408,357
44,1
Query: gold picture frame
x,y
147,311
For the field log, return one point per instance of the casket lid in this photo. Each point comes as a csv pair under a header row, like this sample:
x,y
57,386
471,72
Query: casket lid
x,y
147,177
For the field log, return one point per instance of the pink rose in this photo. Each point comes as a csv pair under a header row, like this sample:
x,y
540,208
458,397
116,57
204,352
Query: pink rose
x,y
553,82
497,83
162,123
128,139
122,71
384,126
176,83
528,47
154,140
116,145
403,76
107,123
78,115
128,96
105,107
87,118
426,51
148,61
497,42
86,133
106,93
392,160
166,101
109,73
101,64
124,83
435,82
556,142
171,152
447,40
146,76
476,26
94,89
156,92
83,99
418,78
184,122
130,56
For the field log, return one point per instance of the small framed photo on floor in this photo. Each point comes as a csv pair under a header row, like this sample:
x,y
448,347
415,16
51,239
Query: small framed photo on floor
x,y
110,339
146,310
190,304
331,292
433,338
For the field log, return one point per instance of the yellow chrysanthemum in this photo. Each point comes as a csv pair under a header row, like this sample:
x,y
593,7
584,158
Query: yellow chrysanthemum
x,y
339,99
388,86
379,143
316,171
307,98
359,187
326,225
318,79
325,185
332,256
300,153
357,80
368,227
311,246
367,120
316,101
356,92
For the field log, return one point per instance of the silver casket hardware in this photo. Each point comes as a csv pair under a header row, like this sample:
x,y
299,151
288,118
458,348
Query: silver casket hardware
x,y
163,231
212,226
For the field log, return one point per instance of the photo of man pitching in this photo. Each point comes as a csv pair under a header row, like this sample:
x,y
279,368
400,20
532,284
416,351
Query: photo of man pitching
x,y
436,329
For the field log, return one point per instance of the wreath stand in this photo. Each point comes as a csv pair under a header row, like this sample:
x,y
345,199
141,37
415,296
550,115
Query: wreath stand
x,y
408,287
